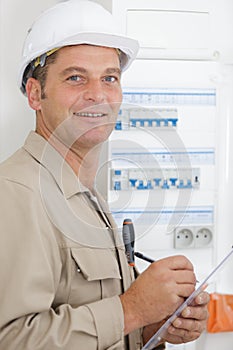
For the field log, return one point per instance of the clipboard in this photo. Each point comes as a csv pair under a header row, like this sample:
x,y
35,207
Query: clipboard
x,y
157,337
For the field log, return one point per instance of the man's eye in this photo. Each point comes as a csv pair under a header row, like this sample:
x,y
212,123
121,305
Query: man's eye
x,y
74,78
110,79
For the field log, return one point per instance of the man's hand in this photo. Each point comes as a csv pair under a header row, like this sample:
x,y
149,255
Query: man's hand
x,y
187,327
158,292
191,323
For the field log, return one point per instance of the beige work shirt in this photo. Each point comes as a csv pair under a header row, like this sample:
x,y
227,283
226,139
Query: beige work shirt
x,y
63,264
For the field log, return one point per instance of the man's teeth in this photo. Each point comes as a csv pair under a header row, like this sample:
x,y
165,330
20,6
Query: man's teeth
x,y
90,115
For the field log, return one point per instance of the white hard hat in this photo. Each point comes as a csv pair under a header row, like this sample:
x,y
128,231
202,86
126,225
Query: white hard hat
x,y
74,22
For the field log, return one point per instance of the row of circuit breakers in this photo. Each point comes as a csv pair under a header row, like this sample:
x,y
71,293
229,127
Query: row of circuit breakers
x,y
151,178
146,118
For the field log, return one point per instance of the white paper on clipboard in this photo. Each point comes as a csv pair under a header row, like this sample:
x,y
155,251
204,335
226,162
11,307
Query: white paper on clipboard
x,y
157,337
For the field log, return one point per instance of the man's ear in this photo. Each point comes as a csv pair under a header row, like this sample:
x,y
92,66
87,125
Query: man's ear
x,y
33,90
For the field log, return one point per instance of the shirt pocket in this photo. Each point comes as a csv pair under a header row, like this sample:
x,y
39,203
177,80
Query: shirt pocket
x,y
95,275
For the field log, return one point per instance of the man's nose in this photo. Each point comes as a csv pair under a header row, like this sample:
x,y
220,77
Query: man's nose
x,y
95,92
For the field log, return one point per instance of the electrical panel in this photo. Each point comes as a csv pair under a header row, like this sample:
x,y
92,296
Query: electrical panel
x,y
162,163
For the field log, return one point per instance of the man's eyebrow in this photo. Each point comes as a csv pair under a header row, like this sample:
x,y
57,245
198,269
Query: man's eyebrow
x,y
76,69
73,69
113,70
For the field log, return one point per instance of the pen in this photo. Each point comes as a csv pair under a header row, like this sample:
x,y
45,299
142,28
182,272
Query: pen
x,y
143,257
146,258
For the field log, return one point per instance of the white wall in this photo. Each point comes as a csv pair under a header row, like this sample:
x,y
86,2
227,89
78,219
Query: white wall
x,y
16,119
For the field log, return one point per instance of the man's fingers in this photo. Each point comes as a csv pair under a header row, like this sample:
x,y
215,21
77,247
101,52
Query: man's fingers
x,y
179,262
185,277
195,312
182,335
184,290
188,325
202,298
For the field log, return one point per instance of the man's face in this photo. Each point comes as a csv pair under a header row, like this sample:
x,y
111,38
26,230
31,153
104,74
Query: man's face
x,y
83,96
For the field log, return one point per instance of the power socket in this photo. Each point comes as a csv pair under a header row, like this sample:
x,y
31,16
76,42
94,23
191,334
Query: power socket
x,y
203,237
183,237
193,237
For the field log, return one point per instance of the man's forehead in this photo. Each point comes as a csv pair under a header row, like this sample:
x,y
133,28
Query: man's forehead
x,y
85,52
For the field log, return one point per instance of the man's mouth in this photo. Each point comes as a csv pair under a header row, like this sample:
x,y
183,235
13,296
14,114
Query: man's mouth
x,y
90,115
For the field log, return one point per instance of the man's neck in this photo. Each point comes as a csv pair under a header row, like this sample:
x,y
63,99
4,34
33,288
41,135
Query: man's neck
x,y
84,165
84,162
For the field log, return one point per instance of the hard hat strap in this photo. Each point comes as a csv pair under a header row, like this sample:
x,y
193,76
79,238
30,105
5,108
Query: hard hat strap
x,y
42,59
39,61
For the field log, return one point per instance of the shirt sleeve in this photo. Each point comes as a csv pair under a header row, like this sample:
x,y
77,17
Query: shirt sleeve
x,y
30,272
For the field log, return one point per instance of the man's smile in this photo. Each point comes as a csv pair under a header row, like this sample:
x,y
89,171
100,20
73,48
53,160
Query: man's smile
x,y
90,115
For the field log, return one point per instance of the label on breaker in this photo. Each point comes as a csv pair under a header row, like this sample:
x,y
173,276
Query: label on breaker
x,y
203,97
197,156
203,215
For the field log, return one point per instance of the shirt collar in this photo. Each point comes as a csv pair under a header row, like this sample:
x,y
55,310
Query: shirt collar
x,y
47,156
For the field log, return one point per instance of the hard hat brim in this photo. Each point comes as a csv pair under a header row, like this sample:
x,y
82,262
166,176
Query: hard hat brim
x,y
128,47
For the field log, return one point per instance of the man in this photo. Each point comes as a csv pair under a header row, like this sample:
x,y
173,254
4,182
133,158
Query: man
x,y
65,281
